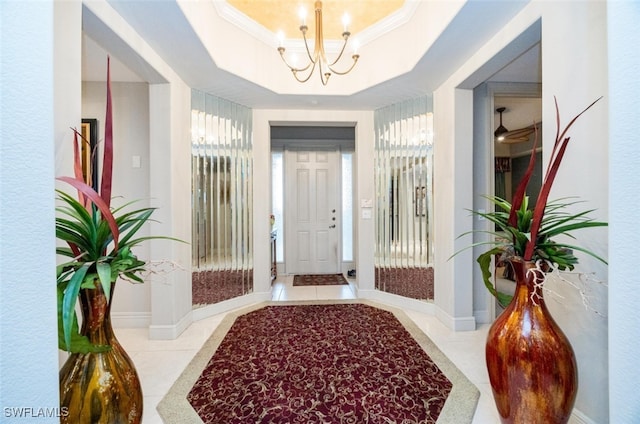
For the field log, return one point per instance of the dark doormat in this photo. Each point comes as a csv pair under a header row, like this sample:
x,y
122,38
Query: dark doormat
x,y
319,280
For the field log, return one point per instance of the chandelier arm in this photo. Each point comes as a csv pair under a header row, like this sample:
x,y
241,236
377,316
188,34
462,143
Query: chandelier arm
x,y
344,45
355,58
306,46
324,76
295,72
293,68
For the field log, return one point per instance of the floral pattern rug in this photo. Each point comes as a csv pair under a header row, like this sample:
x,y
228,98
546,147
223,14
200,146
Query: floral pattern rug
x,y
348,363
320,362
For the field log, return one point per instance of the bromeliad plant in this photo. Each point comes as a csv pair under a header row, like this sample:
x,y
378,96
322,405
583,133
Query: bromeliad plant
x,y
100,240
528,233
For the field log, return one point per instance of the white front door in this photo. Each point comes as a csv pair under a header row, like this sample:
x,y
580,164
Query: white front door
x,y
312,211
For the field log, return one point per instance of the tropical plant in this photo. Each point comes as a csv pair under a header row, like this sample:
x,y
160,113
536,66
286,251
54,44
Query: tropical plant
x,y
528,233
99,239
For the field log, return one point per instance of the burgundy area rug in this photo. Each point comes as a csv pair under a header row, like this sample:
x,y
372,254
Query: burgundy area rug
x,y
319,280
328,363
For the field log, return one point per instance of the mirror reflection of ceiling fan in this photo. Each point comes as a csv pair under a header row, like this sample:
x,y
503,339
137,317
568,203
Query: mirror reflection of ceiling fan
x,y
520,135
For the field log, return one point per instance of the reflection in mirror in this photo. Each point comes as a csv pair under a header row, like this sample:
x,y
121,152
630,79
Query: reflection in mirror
x,y
511,160
404,199
221,158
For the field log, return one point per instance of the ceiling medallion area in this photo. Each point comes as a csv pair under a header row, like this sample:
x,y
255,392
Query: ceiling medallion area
x,y
323,41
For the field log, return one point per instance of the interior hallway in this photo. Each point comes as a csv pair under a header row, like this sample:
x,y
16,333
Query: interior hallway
x,y
160,362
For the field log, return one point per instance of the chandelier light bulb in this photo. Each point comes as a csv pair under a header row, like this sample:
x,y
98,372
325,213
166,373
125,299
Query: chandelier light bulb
x,y
346,20
280,38
302,13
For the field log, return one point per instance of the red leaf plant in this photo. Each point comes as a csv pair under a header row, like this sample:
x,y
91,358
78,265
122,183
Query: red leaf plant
x,y
528,234
99,239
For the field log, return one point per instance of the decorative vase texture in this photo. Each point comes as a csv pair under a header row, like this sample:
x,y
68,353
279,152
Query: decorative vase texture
x,y
101,387
531,364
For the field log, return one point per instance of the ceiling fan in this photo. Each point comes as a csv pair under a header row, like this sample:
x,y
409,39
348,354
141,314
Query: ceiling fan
x,y
520,135
503,135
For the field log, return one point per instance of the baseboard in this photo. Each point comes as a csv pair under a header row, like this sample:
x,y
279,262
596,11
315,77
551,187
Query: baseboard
x,y
578,417
399,302
130,319
170,332
483,317
456,323
229,305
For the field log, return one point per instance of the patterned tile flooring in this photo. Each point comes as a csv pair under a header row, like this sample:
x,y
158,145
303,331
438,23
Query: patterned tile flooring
x,y
160,362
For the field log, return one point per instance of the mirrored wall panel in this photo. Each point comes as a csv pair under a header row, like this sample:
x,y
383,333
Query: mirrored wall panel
x,y
221,161
404,198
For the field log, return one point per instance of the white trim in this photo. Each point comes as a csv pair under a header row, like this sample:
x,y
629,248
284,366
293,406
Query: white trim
x,y
397,301
170,332
388,24
484,316
453,323
229,305
130,319
456,323
242,21
578,417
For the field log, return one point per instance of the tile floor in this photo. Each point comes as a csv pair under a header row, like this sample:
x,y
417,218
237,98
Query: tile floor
x,y
160,362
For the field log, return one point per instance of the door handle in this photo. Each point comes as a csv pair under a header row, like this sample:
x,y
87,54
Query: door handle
x,y
332,226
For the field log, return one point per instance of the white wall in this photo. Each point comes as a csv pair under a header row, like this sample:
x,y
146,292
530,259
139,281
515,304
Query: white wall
x,y
453,181
624,180
29,125
575,70
170,189
574,35
169,174
130,101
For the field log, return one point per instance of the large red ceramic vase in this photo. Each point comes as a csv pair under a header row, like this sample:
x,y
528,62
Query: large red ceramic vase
x,y
99,387
532,366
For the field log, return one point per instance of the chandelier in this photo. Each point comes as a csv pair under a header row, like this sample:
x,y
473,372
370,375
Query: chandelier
x,y
319,57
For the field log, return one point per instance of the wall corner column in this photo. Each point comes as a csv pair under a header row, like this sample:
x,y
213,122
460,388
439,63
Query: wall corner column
x,y
170,191
365,190
453,194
